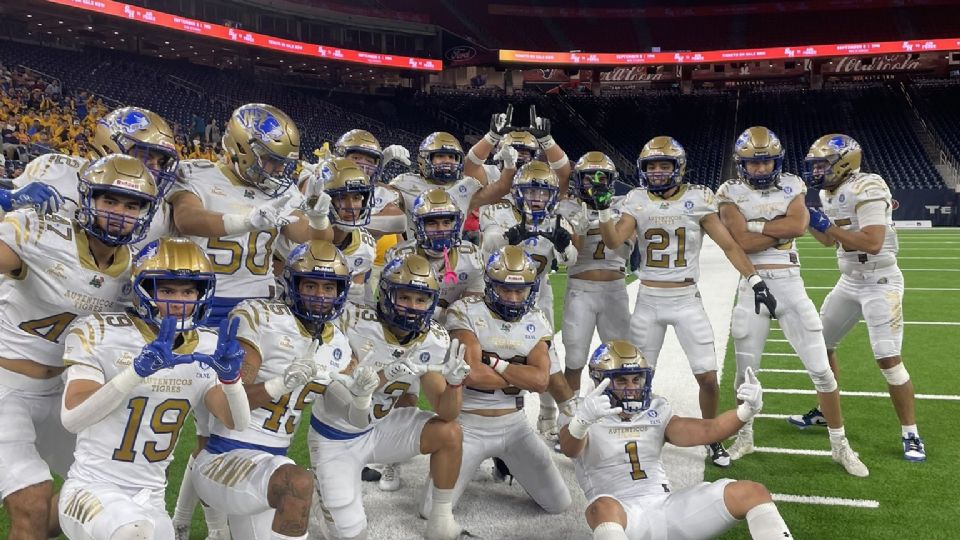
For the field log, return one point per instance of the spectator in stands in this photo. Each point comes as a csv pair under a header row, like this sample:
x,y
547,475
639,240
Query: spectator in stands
x,y
34,128
198,126
212,133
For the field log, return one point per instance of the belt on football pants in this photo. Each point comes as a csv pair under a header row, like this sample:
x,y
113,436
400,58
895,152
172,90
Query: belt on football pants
x,y
332,433
220,445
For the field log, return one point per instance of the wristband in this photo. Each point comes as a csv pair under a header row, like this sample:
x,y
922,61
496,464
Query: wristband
x,y
500,366
234,224
474,158
275,388
605,215
559,164
320,223
755,226
546,142
744,413
453,385
753,279
492,138
578,428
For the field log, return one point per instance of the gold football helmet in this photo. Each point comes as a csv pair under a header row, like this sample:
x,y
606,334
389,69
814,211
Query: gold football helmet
x,y
360,141
511,283
316,260
526,145
143,134
263,146
536,190
350,190
411,274
758,144
116,175
174,259
432,205
831,160
440,142
593,174
621,358
657,149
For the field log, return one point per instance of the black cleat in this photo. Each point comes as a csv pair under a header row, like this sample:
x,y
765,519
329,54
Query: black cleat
x,y
370,475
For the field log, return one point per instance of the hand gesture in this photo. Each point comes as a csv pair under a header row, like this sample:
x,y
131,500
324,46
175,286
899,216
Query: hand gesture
x,y
518,233
500,123
763,295
319,212
818,220
407,366
227,358
751,393
45,198
507,155
539,126
157,354
456,368
273,214
560,237
594,407
303,369
395,152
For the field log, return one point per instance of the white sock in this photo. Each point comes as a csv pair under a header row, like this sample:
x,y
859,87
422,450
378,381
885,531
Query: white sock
x,y
442,502
765,523
187,499
548,405
609,530
216,519
277,536
907,430
837,435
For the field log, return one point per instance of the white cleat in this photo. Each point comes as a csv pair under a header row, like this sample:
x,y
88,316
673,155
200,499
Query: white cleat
x,y
390,477
844,455
742,446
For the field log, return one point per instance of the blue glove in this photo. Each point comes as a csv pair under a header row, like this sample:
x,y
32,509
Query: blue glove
x,y
157,354
818,220
46,199
227,359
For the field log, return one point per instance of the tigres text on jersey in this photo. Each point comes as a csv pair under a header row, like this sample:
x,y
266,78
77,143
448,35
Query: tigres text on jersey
x,y
841,207
464,262
668,230
594,255
375,346
270,328
58,282
510,341
622,457
242,261
765,205
133,445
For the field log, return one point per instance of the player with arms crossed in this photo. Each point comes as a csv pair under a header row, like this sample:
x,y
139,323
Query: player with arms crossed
x,y
616,438
291,350
408,350
55,270
506,340
131,379
669,218
857,217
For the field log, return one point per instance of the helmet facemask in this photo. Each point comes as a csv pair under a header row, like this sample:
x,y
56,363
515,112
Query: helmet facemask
x,y
404,317
659,182
272,173
191,313
506,309
114,228
537,200
346,214
433,237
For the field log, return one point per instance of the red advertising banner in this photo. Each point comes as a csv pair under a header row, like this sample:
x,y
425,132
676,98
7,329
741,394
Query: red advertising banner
x,y
731,55
217,31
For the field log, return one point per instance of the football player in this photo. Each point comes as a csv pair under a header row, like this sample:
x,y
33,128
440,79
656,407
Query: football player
x,y
131,379
765,210
532,223
408,349
616,438
857,218
596,298
291,349
437,232
669,218
57,269
507,341
527,143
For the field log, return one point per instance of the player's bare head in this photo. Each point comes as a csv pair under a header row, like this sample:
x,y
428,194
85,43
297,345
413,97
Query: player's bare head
x,y
350,190
536,190
630,375
118,197
437,221
317,281
174,277
511,283
440,158
661,164
409,293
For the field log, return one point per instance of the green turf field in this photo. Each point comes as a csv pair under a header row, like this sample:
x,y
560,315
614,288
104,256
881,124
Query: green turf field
x,y
910,497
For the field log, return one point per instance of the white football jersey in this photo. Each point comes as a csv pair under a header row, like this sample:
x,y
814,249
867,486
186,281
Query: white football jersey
x,y
492,172
412,185
270,328
594,255
841,207
133,445
359,248
59,171
382,196
465,265
375,346
510,341
59,282
242,261
622,457
762,205
668,231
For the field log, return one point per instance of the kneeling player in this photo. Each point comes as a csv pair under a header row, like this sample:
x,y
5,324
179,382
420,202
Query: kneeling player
x,y
130,382
619,465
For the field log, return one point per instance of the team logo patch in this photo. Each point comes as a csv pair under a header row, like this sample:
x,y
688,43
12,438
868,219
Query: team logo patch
x,y
787,190
262,123
653,414
664,206
424,357
127,289
358,261
397,353
132,122
531,327
505,327
337,353
97,281
688,205
249,194
463,276
842,197
463,189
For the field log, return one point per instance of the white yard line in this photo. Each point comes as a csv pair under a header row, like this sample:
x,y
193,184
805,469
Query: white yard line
x,y
808,257
777,370
791,451
772,416
805,392
807,268
928,289
827,501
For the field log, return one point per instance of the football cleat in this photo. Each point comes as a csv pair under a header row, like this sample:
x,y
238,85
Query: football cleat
x,y
390,477
370,475
812,418
742,446
181,531
844,455
501,471
547,426
913,448
719,455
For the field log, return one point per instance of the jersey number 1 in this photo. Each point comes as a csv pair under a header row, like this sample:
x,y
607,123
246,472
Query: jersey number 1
x,y
635,471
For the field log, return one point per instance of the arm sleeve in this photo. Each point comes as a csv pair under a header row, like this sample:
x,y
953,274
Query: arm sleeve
x,y
102,402
872,213
338,401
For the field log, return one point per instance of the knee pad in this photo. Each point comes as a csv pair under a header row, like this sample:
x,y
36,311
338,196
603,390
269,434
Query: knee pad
x,y
896,375
137,530
885,348
823,381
